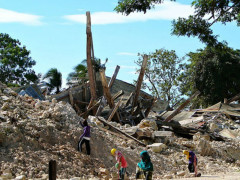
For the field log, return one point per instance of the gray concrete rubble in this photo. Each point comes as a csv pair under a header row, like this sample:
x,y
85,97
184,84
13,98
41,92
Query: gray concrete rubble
x,y
33,132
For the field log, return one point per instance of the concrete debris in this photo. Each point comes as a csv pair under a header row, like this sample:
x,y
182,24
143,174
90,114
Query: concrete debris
x,y
33,132
157,147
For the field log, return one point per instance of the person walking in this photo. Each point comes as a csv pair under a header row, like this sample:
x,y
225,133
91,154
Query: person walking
x,y
121,164
85,137
192,162
144,168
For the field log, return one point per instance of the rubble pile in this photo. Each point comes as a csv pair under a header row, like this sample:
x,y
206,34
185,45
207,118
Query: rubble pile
x,y
33,132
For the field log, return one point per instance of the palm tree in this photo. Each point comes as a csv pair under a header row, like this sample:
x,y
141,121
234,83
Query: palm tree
x,y
55,79
80,73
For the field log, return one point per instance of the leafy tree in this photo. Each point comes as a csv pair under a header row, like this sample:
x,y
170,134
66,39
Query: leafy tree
x,y
163,69
214,72
80,71
15,62
129,6
207,13
55,79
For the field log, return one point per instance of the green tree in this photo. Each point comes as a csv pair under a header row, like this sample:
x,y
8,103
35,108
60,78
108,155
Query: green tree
x,y
163,69
129,6
15,62
207,13
80,71
214,72
55,79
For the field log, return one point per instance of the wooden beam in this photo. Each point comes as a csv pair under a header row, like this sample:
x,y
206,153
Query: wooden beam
x,y
129,99
107,93
102,103
235,98
88,110
174,113
89,61
139,82
118,94
110,84
118,130
114,110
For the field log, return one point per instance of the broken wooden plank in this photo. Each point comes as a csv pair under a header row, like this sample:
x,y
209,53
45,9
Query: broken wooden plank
x,y
113,77
129,99
115,134
81,102
114,110
235,98
118,94
107,93
92,81
101,107
169,118
139,82
88,110
118,130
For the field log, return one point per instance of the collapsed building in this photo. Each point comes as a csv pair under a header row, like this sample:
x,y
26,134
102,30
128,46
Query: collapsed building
x,y
34,131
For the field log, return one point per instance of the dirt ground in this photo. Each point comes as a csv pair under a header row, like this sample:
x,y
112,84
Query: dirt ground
x,y
228,175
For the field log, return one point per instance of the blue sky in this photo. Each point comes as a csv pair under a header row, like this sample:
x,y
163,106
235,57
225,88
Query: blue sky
x,y
55,32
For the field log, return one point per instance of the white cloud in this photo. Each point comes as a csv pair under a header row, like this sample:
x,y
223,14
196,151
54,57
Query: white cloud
x,y
8,16
126,54
166,11
127,67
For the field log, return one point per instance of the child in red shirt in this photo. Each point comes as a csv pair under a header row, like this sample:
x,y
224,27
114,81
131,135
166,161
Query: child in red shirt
x,y
121,162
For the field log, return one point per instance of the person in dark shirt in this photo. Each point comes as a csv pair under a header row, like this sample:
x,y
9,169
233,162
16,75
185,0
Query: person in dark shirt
x,y
192,162
85,137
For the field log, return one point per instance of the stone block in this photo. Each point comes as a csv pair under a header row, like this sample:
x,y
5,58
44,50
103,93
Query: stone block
x,y
157,147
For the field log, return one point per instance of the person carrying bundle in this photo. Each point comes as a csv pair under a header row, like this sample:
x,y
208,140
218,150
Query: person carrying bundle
x,y
144,168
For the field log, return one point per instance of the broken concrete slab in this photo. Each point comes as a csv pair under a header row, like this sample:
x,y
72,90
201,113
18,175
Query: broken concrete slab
x,y
157,147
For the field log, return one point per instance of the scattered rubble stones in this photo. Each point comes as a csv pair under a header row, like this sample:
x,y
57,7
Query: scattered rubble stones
x,y
33,132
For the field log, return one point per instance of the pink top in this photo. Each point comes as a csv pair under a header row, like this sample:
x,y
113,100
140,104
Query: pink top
x,y
121,159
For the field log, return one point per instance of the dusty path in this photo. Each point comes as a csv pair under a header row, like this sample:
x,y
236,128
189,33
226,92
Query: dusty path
x,y
229,176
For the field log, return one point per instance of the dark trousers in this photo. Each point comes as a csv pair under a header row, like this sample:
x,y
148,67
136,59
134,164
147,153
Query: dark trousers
x,y
122,172
191,167
87,143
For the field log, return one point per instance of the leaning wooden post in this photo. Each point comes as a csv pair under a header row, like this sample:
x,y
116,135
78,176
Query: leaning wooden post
x,y
52,173
118,130
107,93
114,76
114,110
174,113
139,82
100,108
89,61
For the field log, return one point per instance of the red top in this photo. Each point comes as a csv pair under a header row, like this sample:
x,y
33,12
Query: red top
x,y
121,159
